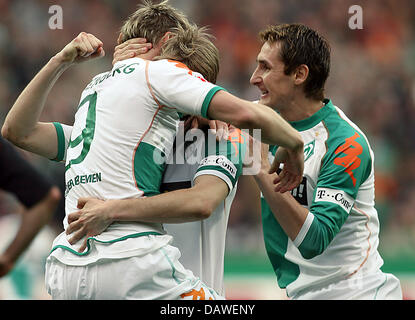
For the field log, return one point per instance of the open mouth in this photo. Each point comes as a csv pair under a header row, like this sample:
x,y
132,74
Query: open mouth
x,y
264,93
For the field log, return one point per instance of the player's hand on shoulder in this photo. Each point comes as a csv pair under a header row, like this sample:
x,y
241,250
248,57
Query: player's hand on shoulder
x,y
84,47
136,47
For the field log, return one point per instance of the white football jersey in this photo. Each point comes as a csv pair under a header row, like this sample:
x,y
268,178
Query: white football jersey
x,y
202,243
124,127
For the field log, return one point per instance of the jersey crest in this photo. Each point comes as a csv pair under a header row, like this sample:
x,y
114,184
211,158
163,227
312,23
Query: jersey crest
x,y
309,150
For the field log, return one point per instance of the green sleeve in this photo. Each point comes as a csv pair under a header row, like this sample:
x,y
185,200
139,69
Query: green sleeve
x,y
346,165
208,99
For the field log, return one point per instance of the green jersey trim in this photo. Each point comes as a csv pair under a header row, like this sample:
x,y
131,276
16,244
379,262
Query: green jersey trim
x,y
227,157
61,142
276,247
218,172
148,171
208,98
310,122
88,245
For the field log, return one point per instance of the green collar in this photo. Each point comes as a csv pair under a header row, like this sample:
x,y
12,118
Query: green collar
x,y
310,122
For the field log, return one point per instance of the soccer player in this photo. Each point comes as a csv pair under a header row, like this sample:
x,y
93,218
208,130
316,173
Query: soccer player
x,y
123,117
39,197
198,187
321,238
201,190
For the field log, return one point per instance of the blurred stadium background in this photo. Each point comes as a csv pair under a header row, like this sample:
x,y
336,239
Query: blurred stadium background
x,y
372,80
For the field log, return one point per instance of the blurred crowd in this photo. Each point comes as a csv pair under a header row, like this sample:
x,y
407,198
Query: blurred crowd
x,y
372,80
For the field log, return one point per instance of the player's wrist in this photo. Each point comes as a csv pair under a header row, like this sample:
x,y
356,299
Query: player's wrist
x,y
262,173
59,61
112,209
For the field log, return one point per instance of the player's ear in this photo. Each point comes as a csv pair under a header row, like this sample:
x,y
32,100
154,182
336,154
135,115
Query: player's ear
x,y
166,37
120,36
301,74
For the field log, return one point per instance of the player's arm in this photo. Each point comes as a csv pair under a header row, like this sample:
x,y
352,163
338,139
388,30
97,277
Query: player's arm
x,y
39,197
288,212
248,115
22,126
32,221
186,205
230,109
274,130
312,230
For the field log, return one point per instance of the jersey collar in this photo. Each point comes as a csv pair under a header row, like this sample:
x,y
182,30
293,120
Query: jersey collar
x,y
310,122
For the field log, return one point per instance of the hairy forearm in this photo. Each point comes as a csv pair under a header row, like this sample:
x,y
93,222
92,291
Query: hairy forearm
x,y
248,115
288,212
23,117
275,130
173,207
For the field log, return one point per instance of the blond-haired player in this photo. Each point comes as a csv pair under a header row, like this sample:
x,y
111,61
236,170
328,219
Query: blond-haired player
x,y
123,117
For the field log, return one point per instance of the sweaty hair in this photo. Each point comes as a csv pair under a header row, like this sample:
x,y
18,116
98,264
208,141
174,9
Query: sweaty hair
x,y
152,21
193,47
302,45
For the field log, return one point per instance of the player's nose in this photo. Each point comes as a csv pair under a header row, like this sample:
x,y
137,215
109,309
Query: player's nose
x,y
255,78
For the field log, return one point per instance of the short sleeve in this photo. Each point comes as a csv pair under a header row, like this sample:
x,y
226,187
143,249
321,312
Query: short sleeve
x,y
63,133
225,160
176,86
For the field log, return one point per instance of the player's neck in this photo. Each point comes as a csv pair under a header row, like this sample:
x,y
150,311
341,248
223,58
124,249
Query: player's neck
x,y
300,109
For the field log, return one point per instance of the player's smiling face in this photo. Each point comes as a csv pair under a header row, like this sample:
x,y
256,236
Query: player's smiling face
x,y
276,87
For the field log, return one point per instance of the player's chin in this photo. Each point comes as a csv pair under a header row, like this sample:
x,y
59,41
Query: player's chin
x,y
266,100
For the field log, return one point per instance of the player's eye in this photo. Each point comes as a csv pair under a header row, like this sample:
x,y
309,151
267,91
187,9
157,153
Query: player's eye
x,y
264,66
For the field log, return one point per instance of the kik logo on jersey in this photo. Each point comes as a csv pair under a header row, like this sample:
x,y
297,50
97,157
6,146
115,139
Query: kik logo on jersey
x,y
351,149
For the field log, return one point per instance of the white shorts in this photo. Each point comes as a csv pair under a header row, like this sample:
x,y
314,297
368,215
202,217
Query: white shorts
x,y
155,275
373,286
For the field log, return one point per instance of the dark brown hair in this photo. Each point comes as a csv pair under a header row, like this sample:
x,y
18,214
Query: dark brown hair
x,y
302,45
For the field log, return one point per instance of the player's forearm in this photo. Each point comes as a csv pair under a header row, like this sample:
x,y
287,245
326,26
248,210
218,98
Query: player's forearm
x,y
248,115
33,220
288,212
23,117
173,207
275,130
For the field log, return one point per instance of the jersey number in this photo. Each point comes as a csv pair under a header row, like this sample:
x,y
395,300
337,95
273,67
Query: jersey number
x,y
87,133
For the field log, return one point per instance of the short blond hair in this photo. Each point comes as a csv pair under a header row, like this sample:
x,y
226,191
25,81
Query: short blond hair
x,y
193,47
152,21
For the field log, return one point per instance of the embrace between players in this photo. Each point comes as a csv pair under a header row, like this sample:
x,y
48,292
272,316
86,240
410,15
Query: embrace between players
x,y
171,245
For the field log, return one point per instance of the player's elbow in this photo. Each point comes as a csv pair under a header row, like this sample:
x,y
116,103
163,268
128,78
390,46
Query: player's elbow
x,y
12,135
54,196
310,253
6,132
318,238
51,201
205,208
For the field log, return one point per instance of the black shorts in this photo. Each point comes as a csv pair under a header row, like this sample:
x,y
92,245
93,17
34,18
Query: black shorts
x,y
19,177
